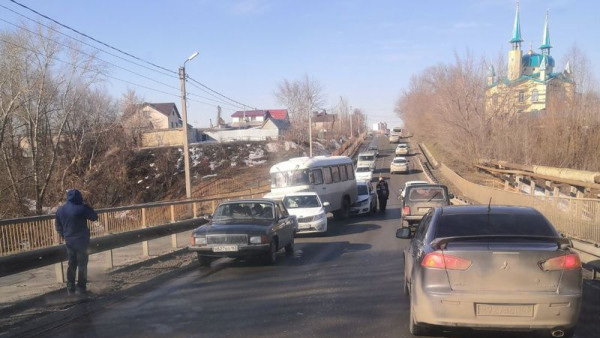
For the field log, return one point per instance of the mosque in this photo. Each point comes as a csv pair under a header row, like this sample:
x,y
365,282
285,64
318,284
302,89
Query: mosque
x,y
530,79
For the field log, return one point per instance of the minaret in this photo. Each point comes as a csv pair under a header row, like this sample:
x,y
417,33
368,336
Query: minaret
x,y
515,55
544,67
545,47
491,75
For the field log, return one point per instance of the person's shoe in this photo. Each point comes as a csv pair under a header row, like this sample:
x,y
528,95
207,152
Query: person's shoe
x,y
70,292
81,291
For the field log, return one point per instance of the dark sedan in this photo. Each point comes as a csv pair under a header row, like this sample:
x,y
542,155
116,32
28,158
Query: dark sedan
x,y
491,267
243,228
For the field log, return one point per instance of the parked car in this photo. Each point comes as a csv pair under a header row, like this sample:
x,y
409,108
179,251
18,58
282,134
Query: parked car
x,y
491,267
409,183
402,149
366,202
310,213
420,199
400,165
243,228
364,173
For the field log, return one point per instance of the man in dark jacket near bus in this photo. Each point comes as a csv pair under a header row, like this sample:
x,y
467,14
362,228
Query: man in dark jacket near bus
x,y
71,225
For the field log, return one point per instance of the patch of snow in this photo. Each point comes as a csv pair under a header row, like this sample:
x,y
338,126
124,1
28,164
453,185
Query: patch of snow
x,y
152,165
256,154
147,187
140,181
290,145
272,147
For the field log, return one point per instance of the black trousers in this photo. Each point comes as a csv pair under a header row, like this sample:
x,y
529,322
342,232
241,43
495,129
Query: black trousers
x,y
78,261
382,203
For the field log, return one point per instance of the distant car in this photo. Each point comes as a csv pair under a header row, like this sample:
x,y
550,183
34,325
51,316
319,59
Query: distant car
x,y
366,159
364,173
394,138
491,268
366,202
309,211
402,149
374,149
400,165
409,183
244,228
420,199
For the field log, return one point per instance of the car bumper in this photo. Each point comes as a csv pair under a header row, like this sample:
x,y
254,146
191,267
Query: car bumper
x,y
242,250
312,227
398,169
469,309
360,210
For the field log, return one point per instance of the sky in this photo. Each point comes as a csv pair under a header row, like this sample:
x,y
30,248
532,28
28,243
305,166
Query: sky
x,y
365,51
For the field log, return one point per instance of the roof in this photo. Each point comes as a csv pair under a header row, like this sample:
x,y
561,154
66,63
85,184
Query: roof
x,y
484,209
535,60
516,35
324,117
164,108
243,113
280,124
546,38
298,163
278,114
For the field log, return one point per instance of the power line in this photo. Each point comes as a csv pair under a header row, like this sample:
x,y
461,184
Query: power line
x,y
91,38
87,44
216,92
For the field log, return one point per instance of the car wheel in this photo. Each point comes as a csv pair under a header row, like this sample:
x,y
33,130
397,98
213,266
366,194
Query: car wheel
x,y
414,328
289,249
271,255
406,290
204,260
344,212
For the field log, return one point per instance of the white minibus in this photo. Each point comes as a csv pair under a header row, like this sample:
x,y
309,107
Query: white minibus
x,y
331,177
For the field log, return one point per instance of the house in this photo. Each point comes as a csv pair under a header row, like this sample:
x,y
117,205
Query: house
x,y
256,118
154,116
280,125
322,121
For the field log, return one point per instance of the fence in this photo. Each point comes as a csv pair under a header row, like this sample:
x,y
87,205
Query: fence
x,y
29,233
349,147
575,217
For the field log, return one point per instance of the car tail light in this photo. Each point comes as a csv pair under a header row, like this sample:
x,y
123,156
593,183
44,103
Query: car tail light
x,y
437,260
406,210
566,262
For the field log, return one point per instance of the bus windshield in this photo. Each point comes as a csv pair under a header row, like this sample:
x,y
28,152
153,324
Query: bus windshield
x,y
289,178
366,158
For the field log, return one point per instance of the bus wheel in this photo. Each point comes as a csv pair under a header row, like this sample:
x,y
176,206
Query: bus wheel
x,y
344,211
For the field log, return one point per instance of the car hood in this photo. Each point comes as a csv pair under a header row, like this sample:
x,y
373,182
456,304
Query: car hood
x,y
361,198
234,227
305,212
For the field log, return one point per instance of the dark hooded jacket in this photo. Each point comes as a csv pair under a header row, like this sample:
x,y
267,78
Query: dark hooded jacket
x,y
71,220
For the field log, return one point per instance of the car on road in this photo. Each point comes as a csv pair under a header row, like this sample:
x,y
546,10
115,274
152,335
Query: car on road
x,y
491,267
402,149
310,213
364,173
366,159
366,202
400,165
375,149
245,228
409,183
419,199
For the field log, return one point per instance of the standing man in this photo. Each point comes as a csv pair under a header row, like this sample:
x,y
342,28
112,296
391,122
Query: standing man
x,y
383,192
71,225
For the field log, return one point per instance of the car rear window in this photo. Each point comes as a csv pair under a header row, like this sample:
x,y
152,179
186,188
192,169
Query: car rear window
x,y
426,194
494,224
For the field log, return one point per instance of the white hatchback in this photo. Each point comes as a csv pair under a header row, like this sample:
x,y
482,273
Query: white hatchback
x,y
364,173
309,211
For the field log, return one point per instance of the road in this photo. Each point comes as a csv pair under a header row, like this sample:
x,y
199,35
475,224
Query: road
x,y
346,284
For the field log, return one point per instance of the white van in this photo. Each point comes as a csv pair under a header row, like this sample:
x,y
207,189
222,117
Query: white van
x,y
331,177
366,159
395,134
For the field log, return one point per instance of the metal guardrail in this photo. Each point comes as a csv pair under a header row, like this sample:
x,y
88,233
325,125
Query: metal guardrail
x,y
574,217
30,233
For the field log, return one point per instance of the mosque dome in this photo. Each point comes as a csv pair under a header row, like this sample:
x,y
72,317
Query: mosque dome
x,y
535,60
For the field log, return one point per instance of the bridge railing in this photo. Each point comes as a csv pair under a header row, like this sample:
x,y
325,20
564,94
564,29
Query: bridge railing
x,y
30,233
575,217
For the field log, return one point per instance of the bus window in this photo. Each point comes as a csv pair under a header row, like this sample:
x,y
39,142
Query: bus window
x,y
350,170
316,176
343,174
327,175
335,174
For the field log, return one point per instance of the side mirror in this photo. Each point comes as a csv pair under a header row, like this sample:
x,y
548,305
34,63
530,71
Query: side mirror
x,y
451,196
326,204
404,233
207,217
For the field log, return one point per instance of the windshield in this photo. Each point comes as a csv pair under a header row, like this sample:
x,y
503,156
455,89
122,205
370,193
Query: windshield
x,y
494,224
397,130
289,178
363,169
362,190
366,158
308,201
426,194
399,161
245,210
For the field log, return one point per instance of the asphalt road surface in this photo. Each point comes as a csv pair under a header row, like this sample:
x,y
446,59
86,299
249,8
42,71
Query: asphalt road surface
x,y
345,284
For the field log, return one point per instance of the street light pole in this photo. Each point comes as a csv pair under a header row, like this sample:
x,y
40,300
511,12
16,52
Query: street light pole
x,y
186,147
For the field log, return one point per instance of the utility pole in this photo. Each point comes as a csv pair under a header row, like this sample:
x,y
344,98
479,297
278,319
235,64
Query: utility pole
x,y
310,153
351,117
186,150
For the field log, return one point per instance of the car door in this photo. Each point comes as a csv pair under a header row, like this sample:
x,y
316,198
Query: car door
x,y
417,246
285,225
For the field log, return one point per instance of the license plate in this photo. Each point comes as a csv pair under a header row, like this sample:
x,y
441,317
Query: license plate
x,y
505,310
423,210
225,248
303,226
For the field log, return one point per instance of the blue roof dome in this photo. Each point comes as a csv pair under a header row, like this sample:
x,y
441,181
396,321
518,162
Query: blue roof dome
x,y
534,60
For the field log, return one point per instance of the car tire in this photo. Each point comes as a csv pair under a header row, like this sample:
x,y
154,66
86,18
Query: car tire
x,y
344,211
289,249
271,255
204,260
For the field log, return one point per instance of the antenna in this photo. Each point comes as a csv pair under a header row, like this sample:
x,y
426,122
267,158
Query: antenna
x,y
490,205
